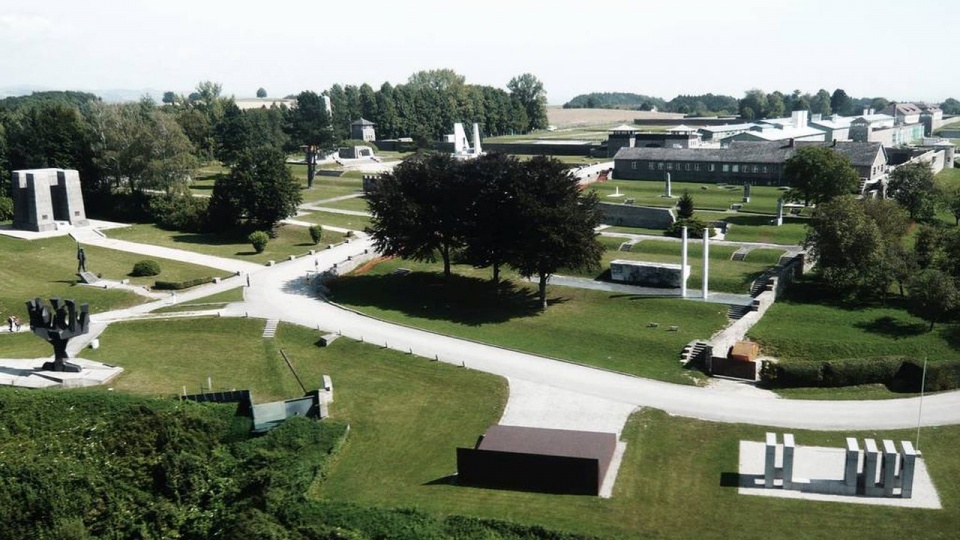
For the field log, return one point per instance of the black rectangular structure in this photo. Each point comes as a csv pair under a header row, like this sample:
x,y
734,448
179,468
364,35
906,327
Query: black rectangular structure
x,y
538,459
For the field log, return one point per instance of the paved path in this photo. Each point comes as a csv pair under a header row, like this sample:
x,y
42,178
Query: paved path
x,y
752,245
546,392
91,237
335,210
603,394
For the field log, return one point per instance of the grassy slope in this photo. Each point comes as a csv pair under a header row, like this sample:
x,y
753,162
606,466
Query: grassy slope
x,y
408,415
807,325
344,221
763,199
597,328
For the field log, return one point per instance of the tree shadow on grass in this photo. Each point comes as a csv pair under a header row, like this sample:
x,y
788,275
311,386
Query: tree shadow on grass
x,y
951,334
892,327
427,295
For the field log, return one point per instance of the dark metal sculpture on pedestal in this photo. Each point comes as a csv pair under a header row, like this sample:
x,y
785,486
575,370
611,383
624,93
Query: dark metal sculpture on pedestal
x,y
58,325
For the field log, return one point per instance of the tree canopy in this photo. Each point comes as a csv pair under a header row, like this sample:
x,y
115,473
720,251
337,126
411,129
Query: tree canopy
x,y
493,211
259,192
912,186
529,91
817,174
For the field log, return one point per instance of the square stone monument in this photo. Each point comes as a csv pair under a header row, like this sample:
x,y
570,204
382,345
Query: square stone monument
x,y
44,197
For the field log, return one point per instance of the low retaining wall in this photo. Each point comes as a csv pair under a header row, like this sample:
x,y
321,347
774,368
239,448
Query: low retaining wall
x,y
628,215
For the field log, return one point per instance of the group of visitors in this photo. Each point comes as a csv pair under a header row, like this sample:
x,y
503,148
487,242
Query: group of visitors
x,y
13,322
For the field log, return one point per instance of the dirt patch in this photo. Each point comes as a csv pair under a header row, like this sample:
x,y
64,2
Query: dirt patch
x,y
368,266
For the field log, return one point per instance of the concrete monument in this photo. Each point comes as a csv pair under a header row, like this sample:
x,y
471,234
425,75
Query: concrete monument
x,y
668,188
746,193
44,198
461,146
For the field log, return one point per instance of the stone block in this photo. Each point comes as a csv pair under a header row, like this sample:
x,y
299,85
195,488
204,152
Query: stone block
x,y
770,460
789,449
648,274
890,456
907,469
871,460
850,467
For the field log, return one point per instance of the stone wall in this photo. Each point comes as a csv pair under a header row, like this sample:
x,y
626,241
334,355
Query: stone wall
x,y
771,285
628,215
648,274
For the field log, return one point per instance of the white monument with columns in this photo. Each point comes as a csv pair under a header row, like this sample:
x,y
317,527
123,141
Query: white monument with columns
x,y
461,146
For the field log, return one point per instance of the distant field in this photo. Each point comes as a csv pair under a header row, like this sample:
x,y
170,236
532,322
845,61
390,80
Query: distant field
x,y
560,117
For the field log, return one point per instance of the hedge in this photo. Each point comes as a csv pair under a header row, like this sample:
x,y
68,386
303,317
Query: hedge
x,y
145,267
178,285
899,373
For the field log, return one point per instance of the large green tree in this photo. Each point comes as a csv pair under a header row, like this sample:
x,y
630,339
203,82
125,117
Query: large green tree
x,y
419,209
912,186
529,91
840,102
310,128
950,106
559,224
846,245
933,295
494,215
817,174
259,192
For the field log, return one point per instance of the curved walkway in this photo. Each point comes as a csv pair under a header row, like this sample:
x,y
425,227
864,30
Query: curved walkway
x,y
546,392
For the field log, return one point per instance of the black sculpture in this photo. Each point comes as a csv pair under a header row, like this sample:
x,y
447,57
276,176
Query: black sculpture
x,y
58,326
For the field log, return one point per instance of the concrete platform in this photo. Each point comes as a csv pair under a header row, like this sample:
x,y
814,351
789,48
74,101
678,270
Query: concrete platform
x,y
26,373
62,230
822,463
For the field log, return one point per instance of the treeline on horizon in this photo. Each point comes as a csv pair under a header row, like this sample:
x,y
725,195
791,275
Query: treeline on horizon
x,y
755,104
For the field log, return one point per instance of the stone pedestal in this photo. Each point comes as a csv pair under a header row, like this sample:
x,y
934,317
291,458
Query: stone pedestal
x,y
889,467
770,461
907,469
789,448
868,481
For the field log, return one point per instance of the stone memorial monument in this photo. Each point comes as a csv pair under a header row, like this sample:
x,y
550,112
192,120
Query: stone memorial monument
x,y
746,192
42,198
779,220
58,325
668,188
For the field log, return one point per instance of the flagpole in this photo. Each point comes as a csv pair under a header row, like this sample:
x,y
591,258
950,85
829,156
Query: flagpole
x,y
923,381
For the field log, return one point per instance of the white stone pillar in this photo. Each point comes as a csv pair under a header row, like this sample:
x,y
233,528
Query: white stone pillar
x,y
669,188
706,262
683,262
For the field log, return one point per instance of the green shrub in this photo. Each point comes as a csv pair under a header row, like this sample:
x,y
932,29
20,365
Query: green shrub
x,y
179,212
898,373
6,208
316,233
694,227
178,285
259,240
145,268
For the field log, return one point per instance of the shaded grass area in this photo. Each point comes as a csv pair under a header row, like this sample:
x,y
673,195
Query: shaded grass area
x,y
290,240
808,324
47,268
763,199
863,391
344,221
725,275
593,327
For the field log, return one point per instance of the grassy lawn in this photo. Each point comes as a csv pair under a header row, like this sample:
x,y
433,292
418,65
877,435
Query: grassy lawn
x,y
763,199
357,204
344,221
214,301
725,275
658,479
46,268
290,240
755,228
407,416
205,177
597,328
806,324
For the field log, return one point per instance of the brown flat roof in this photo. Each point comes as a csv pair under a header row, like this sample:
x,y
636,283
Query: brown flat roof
x,y
550,442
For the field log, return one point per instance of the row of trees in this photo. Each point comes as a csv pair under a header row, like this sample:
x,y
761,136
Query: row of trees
x,y
698,105
757,104
428,105
489,212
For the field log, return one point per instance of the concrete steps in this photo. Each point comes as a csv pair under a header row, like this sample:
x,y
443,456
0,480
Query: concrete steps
x,y
270,329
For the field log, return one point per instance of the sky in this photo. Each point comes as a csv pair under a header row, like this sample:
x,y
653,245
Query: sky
x,y
899,50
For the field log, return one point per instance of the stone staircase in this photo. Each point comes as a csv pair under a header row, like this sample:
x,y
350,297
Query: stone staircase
x,y
735,313
740,254
695,351
270,329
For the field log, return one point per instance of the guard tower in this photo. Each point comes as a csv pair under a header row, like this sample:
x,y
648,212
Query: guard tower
x,y
45,198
